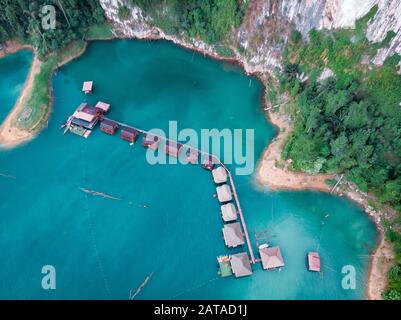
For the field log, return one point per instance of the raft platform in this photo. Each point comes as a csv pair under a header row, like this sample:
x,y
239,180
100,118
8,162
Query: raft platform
x,y
151,140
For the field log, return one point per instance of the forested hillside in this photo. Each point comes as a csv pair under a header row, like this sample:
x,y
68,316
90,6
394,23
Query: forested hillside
x,y
209,20
349,122
22,19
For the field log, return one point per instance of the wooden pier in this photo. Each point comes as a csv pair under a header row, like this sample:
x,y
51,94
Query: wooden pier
x,y
234,190
208,155
248,241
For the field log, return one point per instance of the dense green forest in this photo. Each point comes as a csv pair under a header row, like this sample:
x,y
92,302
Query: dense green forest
x,y
209,20
349,122
22,19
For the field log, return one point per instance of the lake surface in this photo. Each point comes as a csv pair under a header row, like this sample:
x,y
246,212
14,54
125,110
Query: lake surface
x,y
167,221
13,72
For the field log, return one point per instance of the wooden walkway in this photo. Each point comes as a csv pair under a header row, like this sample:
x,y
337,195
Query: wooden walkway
x,y
248,241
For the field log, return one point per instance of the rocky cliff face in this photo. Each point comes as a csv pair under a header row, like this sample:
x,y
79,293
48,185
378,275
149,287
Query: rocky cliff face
x,y
267,25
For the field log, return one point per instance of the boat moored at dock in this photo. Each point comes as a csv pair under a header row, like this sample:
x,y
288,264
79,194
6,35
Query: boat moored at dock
x,y
224,266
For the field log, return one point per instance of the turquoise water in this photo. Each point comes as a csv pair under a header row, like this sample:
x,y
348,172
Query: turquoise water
x,y
13,72
103,248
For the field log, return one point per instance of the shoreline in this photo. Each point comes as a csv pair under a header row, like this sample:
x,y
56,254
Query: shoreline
x,y
10,134
266,168
277,179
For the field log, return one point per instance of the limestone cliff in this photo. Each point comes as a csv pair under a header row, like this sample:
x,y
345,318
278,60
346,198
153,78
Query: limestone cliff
x,y
267,24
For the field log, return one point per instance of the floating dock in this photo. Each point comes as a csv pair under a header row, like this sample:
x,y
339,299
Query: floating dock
x,y
84,120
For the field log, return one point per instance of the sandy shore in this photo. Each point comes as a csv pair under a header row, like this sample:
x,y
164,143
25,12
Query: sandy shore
x,y
10,134
382,257
275,177
281,178
12,46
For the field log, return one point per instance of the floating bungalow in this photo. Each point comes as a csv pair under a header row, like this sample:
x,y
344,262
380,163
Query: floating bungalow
x,y
102,107
219,175
224,266
233,235
151,141
108,126
224,193
85,116
240,265
129,134
208,163
173,148
87,87
271,257
192,156
229,212
314,261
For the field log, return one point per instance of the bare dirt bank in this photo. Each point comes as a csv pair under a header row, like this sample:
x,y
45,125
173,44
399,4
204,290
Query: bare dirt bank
x,y
278,177
274,173
10,134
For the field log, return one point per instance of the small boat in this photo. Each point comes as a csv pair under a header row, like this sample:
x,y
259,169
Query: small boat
x,y
224,266
314,261
66,126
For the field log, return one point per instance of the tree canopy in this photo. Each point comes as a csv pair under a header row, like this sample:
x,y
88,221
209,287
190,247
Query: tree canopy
x,y
210,20
23,20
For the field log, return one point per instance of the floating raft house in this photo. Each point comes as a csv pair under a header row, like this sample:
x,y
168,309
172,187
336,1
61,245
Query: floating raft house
x,y
314,261
192,156
129,134
224,193
240,265
151,141
87,87
271,257
108,126
208,163
102,107
233,235
229,212
85,116
173,148
219,175
224,266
